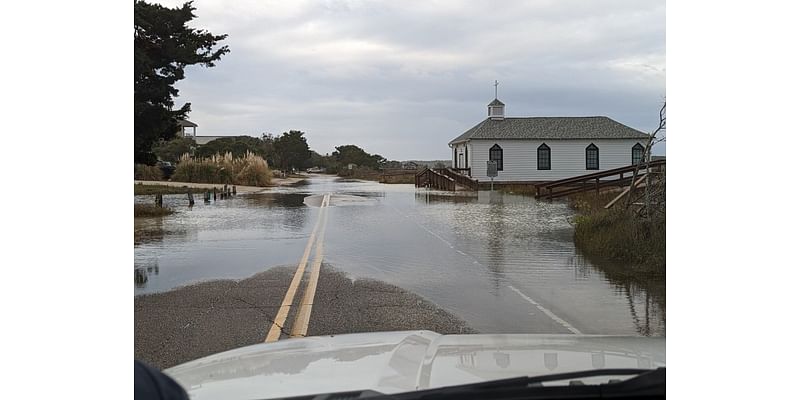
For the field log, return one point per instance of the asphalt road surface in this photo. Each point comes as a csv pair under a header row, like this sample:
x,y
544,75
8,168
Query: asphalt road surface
x,y
206,318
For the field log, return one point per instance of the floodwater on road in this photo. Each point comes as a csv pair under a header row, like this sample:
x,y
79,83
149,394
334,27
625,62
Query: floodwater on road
x,y
503,263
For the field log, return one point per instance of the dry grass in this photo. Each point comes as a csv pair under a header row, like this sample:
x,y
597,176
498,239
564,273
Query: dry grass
x,y
142,189
147,173
618,234
378,176
517,188
249,170
150,210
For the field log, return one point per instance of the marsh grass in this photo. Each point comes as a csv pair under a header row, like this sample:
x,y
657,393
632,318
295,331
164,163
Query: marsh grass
x,y
147,173
618,234
249,170
150,210
142,189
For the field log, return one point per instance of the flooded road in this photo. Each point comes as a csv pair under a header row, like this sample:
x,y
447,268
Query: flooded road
x,y
502,263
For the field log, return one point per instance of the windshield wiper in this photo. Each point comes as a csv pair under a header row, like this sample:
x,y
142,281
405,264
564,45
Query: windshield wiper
x,y
645,383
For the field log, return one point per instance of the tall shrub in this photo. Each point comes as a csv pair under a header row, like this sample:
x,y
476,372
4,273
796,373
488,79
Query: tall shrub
x,y
147,172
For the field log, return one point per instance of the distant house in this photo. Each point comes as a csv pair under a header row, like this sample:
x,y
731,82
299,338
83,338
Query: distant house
x,y
538,149
409,165
184,126
188,129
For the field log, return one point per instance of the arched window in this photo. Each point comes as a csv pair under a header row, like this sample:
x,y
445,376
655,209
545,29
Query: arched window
x,y
496,154
592,157
637,153
543,157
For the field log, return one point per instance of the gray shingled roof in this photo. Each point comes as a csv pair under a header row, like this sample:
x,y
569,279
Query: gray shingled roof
x,y
550,128
186,123
496,102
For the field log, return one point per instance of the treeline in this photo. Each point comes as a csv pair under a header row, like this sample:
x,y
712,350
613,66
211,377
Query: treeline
x,y
287,152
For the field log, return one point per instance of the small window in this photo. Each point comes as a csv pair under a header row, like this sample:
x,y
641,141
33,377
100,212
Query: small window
x,y
592,157
543,157
496,154
637,154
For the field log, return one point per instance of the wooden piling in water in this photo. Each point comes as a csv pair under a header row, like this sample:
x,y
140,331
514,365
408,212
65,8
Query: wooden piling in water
x,y
191,198
234,190
207,196
215,193
160,200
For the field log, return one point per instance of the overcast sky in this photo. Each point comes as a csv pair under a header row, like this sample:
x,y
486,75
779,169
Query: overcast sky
x,y
403,78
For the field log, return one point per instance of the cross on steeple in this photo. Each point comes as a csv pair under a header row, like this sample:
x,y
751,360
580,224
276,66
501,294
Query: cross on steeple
x,y
495,88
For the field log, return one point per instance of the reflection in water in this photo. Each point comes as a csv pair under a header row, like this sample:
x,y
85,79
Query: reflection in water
x,y
494,244
153,231
427,197
461,251
645,295
141,275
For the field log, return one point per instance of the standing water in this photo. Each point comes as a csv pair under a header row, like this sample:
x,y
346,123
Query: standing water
x,y
504,263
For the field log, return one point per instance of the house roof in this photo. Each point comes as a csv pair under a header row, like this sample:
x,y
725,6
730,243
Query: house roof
x,y
550,128
496,102
186,123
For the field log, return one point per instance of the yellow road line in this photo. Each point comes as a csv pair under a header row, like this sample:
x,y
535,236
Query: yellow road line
x,y
275,330
300,325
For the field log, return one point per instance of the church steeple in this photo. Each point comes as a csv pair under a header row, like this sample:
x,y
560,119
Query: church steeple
x,y
496,107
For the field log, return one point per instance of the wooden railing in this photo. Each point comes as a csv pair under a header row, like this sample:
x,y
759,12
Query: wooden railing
x,y
460,179
433,179
463,171
593,181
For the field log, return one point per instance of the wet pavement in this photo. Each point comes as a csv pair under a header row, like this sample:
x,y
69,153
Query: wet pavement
x,y
210,317
502,263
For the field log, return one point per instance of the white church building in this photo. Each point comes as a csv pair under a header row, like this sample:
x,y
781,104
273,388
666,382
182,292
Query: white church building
x,y
539,149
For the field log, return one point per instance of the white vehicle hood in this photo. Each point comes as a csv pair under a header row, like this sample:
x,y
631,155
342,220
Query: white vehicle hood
x,y
393,362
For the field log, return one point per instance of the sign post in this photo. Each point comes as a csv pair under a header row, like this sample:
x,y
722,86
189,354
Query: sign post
x,y
491,171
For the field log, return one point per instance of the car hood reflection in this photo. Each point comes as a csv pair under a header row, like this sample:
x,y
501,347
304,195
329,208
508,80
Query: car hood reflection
x,y
393,362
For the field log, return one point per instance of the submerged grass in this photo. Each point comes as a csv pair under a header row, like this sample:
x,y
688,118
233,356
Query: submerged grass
x,y
150,210
529,189
142,189
618,234
377,175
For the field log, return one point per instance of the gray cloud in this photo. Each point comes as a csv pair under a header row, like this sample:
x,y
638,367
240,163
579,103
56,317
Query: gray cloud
x,y
403,78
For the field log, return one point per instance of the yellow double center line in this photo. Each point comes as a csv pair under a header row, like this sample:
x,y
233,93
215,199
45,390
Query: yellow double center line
x,y
300,326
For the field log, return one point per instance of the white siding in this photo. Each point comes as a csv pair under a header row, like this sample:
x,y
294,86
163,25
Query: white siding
x,y
567,158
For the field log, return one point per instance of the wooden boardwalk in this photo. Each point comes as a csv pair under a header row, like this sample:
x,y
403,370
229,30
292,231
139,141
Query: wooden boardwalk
x,y
595,181
444,179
